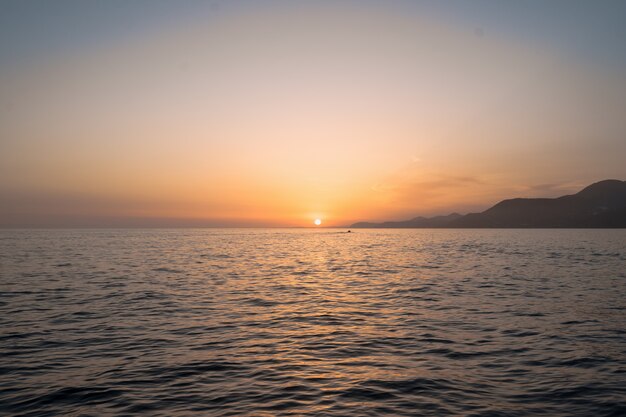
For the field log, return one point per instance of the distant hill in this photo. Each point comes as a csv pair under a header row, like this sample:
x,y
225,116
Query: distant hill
x,y
439,221
601,205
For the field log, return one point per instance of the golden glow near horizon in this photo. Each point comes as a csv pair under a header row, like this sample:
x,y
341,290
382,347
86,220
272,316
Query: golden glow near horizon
x,y
317,222
209,119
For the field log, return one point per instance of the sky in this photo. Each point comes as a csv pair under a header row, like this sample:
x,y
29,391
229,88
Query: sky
x,y
276,113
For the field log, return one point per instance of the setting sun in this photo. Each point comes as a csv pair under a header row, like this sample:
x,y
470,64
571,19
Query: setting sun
x,y
164,164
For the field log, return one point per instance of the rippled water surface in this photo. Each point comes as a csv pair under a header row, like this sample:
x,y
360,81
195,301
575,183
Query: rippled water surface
x,y
313,322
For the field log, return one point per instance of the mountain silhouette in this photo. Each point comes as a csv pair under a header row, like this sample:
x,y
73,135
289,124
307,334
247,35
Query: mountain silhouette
x,y
438,221
601,205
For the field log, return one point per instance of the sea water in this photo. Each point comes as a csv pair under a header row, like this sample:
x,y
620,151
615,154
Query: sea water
x,y
272,322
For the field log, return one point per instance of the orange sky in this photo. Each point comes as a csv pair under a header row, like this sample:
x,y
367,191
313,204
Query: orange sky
x,y
277,114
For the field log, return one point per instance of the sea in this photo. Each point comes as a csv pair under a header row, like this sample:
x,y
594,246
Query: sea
x,y
313,322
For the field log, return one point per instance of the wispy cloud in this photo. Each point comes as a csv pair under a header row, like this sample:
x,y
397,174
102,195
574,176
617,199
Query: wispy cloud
x,y
552,189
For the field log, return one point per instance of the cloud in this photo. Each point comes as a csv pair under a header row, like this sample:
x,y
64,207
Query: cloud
x,y
552,189
415,190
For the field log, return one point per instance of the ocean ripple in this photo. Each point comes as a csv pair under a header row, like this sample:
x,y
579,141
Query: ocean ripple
x,y
230,322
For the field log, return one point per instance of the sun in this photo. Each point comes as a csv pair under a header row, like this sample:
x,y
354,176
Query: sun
x,y
317,222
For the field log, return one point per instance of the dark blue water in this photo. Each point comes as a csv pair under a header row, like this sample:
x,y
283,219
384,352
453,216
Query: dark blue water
x,y
313,322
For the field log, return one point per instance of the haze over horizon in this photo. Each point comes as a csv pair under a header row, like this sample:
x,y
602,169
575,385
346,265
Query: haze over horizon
x,y
276,113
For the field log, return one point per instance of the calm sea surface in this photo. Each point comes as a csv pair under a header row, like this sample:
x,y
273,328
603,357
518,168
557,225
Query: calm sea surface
x,y
313,322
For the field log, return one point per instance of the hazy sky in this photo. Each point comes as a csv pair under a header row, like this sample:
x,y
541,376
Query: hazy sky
x,y
116,113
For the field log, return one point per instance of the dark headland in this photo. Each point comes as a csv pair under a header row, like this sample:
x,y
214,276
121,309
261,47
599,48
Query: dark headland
x,y
600,205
